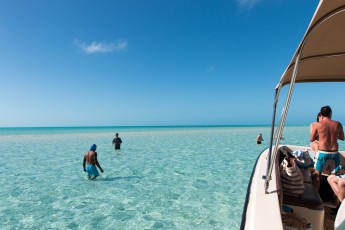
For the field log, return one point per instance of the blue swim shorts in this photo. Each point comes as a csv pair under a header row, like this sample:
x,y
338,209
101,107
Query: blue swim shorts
x,y
92,171
324,156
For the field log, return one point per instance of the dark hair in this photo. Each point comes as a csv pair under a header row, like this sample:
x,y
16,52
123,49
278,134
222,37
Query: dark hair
x,y
326,111
318,117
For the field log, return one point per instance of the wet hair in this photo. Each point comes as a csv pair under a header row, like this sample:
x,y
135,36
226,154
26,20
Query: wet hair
x,y
318,117
326,111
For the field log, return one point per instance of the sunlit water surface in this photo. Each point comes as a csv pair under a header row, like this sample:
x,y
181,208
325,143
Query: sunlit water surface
x,y
162,178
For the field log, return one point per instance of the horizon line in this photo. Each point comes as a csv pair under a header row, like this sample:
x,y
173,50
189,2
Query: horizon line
x,y
139,126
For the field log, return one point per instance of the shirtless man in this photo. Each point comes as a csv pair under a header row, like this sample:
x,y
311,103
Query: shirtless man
x,y
90,162
328,132
259,138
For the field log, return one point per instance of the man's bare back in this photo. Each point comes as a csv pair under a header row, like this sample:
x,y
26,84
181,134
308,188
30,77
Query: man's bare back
x,y
328,132
90,162
90,157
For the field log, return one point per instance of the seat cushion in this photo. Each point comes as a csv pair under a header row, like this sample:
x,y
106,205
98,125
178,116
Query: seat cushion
x,y
310,198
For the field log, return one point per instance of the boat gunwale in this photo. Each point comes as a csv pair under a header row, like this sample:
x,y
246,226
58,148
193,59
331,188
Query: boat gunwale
x,y
246,202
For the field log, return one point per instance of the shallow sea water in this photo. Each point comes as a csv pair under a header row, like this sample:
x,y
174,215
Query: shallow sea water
x,y
162,178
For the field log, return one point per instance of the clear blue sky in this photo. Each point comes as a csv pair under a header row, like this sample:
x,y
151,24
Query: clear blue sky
x,y
152,62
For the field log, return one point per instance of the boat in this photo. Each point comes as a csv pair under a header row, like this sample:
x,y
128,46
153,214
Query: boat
x,y
320,57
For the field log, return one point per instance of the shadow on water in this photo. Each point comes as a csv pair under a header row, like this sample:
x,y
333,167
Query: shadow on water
x,y
119,178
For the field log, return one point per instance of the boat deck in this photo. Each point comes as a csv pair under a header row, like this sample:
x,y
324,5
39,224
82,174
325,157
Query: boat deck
x,y
326,193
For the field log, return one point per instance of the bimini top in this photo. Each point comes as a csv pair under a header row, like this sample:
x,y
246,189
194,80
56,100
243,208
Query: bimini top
x,y
322,49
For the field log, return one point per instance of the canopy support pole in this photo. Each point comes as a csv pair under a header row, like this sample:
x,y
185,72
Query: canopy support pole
x,y
281,126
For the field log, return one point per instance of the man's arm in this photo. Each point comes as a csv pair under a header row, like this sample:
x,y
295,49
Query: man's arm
x,y
97,164
341,185
341,132
311,127
313,134
84,163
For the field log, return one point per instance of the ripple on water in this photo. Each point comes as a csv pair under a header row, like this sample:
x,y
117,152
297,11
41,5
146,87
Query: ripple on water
x,y
163,178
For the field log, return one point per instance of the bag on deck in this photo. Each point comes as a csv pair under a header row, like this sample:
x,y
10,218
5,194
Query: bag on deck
x,y
291,179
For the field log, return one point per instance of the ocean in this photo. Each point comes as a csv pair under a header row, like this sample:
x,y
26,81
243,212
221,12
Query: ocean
x,y
162,178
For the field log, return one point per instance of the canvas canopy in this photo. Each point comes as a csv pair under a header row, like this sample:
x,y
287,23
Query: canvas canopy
x,y
320,57
322,50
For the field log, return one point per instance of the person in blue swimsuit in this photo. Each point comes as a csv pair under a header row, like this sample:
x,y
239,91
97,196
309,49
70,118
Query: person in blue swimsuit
x,y
328,132
90,162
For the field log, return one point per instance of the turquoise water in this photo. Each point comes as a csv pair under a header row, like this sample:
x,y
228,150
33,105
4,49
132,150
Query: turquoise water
x,y
162,178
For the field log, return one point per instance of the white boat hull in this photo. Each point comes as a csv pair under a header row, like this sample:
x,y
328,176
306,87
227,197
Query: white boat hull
x,y
263,210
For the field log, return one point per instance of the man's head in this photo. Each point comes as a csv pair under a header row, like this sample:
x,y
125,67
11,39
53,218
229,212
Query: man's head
x,y
93,147
116,134
326,111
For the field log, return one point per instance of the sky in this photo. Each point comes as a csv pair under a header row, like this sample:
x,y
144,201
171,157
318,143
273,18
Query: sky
x,y
152,62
